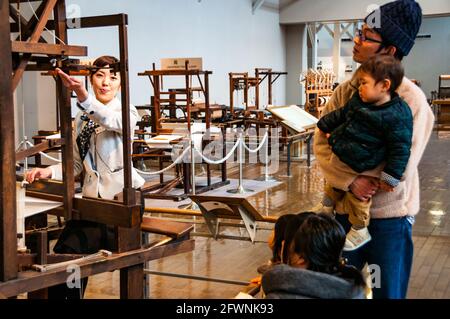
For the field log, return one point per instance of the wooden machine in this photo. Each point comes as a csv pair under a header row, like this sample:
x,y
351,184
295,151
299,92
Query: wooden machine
x,y
318,89
442,103
18,272
181,99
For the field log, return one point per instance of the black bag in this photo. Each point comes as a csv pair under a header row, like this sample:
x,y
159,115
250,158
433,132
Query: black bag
x,y
85,237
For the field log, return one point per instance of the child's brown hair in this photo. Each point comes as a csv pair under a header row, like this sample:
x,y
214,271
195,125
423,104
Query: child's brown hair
x,y
382,67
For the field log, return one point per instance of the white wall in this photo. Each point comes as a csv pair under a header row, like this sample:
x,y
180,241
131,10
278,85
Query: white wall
x,y
325,10
224,33
296,62
430,57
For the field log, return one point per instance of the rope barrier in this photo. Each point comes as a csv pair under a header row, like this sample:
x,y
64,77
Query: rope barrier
x,y
209,161
260,145
168,167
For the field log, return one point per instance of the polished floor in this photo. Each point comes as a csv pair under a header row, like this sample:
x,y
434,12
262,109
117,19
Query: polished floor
x,y
238,260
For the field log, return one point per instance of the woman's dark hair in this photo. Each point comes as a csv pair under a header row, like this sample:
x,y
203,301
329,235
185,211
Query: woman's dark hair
x,y
319,241
103,61
382,67
291,229
278,237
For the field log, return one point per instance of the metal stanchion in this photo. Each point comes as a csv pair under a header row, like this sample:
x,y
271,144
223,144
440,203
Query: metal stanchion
x,y
267,177
240,189
191,205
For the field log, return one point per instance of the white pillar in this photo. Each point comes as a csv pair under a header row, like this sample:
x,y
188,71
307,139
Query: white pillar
x,y
354,64
337,51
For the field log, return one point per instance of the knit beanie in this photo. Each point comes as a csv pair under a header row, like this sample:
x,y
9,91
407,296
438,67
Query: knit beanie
x,y
398,23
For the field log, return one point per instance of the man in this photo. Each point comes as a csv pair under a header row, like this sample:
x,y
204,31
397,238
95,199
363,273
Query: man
x,y
391,29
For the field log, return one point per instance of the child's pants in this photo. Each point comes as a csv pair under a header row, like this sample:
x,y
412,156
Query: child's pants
x,y
357,210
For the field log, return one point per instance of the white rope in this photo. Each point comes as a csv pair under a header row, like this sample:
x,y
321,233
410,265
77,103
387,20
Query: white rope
x,y
209,161
50,158
168,167
45,28
259,147
57,160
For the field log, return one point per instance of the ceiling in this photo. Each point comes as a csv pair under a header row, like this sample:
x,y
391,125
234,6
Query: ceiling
x,y
280,4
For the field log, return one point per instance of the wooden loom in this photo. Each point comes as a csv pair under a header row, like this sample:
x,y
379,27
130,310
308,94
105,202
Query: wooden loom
x,y
173,99
125,215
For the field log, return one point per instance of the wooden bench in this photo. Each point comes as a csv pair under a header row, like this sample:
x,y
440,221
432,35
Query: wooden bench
x,y
173,229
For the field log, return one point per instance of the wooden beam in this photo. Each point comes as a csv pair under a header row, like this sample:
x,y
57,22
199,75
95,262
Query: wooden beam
x,y
8,233
32,151
19,19
30,25
132,282
21,1
128,191
65,116
108,212
49,5
41,147
103,21
32,280
94,209
88,22
49,49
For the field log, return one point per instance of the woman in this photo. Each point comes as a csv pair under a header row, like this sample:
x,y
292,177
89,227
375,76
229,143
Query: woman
x,y
98,133
315,267
98,153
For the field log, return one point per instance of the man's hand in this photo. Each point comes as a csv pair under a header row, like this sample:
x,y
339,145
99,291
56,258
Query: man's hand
x,y
364,187
327,135
73,84
386,187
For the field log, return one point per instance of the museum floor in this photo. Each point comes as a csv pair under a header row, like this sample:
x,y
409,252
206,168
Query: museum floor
x,y
238,260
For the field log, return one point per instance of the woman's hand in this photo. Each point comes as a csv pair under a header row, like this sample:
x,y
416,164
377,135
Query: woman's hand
x,y
37,173
73,84
364,187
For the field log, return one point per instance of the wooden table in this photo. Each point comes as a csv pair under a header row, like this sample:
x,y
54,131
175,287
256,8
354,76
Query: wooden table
x,y
442,113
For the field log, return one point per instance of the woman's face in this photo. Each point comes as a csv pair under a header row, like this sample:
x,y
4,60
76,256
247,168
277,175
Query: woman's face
x,y
105,84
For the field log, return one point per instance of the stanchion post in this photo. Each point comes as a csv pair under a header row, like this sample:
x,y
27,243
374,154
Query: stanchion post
x,y
240,189
267,177
191,205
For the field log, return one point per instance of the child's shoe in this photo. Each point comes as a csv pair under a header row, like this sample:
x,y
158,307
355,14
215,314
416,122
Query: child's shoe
x,y
356,238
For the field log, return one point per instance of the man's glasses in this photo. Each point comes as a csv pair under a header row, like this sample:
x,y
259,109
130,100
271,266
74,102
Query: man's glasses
x,y
363,37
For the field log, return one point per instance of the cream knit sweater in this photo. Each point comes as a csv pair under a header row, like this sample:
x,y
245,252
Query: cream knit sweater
x,y
405,199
